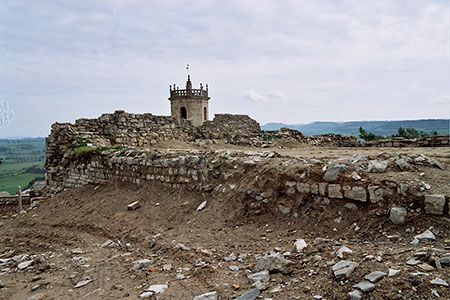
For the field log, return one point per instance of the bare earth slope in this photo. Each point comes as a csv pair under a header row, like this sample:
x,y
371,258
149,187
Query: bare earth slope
x,y
64,242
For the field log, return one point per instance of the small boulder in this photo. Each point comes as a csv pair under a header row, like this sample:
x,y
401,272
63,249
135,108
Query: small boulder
x,y
434,204
300,245
365,286
355,295
375,276
333,172
262,276
397,215
273,263
376,166
343,269
426,235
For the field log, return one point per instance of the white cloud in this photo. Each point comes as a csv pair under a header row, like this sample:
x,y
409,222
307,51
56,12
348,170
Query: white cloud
x,y
254,96
122,54
442,99
260,98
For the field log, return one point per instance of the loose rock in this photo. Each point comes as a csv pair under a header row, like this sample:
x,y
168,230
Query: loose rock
x,y
375,276
207,296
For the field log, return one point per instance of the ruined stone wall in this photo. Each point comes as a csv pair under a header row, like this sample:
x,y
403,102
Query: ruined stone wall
x,y
428,141
143,130
265,181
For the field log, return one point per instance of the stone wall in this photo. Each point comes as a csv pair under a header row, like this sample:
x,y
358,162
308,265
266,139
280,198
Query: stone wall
x,y
265,180
143,130
428,141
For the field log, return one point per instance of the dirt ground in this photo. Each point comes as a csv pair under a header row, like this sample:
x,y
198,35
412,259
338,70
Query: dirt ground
x,y
65,238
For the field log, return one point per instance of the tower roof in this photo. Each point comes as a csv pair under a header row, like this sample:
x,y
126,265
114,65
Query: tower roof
x,y
189,83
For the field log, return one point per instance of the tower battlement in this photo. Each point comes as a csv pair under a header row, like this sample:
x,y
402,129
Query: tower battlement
x,y
190,104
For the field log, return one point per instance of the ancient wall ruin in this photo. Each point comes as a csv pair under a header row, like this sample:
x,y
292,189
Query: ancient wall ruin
x,y
428,141
117,148
265,180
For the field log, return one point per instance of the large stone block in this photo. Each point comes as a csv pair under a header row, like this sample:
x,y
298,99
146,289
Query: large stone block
x,y
397,215
334,191
356,193
375,193
434,204
323,188
303,188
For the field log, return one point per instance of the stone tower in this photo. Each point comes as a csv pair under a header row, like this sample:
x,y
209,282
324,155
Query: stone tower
x,y
190,104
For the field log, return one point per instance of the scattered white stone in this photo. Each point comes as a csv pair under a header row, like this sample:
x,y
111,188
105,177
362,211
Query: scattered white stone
x,y
427,234
108,243
158,288
414,241
83,283
262,276
201,206
25,264
133,206
355,176
207,296
343,269
365,286
139,264
300,245
412,261
77,251
439,281
375,276
343,250
355,295
393,272
234,268
230,257
37,297
181,246
145,295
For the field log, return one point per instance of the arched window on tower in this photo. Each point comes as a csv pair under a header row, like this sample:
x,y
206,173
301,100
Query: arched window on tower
x,y
205,114
183,113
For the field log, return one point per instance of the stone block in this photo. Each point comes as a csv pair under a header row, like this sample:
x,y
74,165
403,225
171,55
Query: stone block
x,y
397,215
334,191
323,188
303,188
356,193
375,193
315,189
434,204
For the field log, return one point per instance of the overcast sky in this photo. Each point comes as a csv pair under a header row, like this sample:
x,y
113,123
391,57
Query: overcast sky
x,y
291,61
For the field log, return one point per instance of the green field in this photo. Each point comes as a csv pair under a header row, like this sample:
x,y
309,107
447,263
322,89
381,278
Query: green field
x,y
22,161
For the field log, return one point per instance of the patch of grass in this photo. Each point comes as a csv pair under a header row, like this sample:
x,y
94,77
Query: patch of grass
x,y
267,137
117,148
20,159
83,150
11,183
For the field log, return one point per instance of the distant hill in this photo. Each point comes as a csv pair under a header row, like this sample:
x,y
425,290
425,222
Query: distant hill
x,y
352,128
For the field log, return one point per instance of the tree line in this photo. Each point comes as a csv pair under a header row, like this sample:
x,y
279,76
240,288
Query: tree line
x,y
407,133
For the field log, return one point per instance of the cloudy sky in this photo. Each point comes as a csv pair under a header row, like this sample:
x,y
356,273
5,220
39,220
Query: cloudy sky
x,y
291,61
